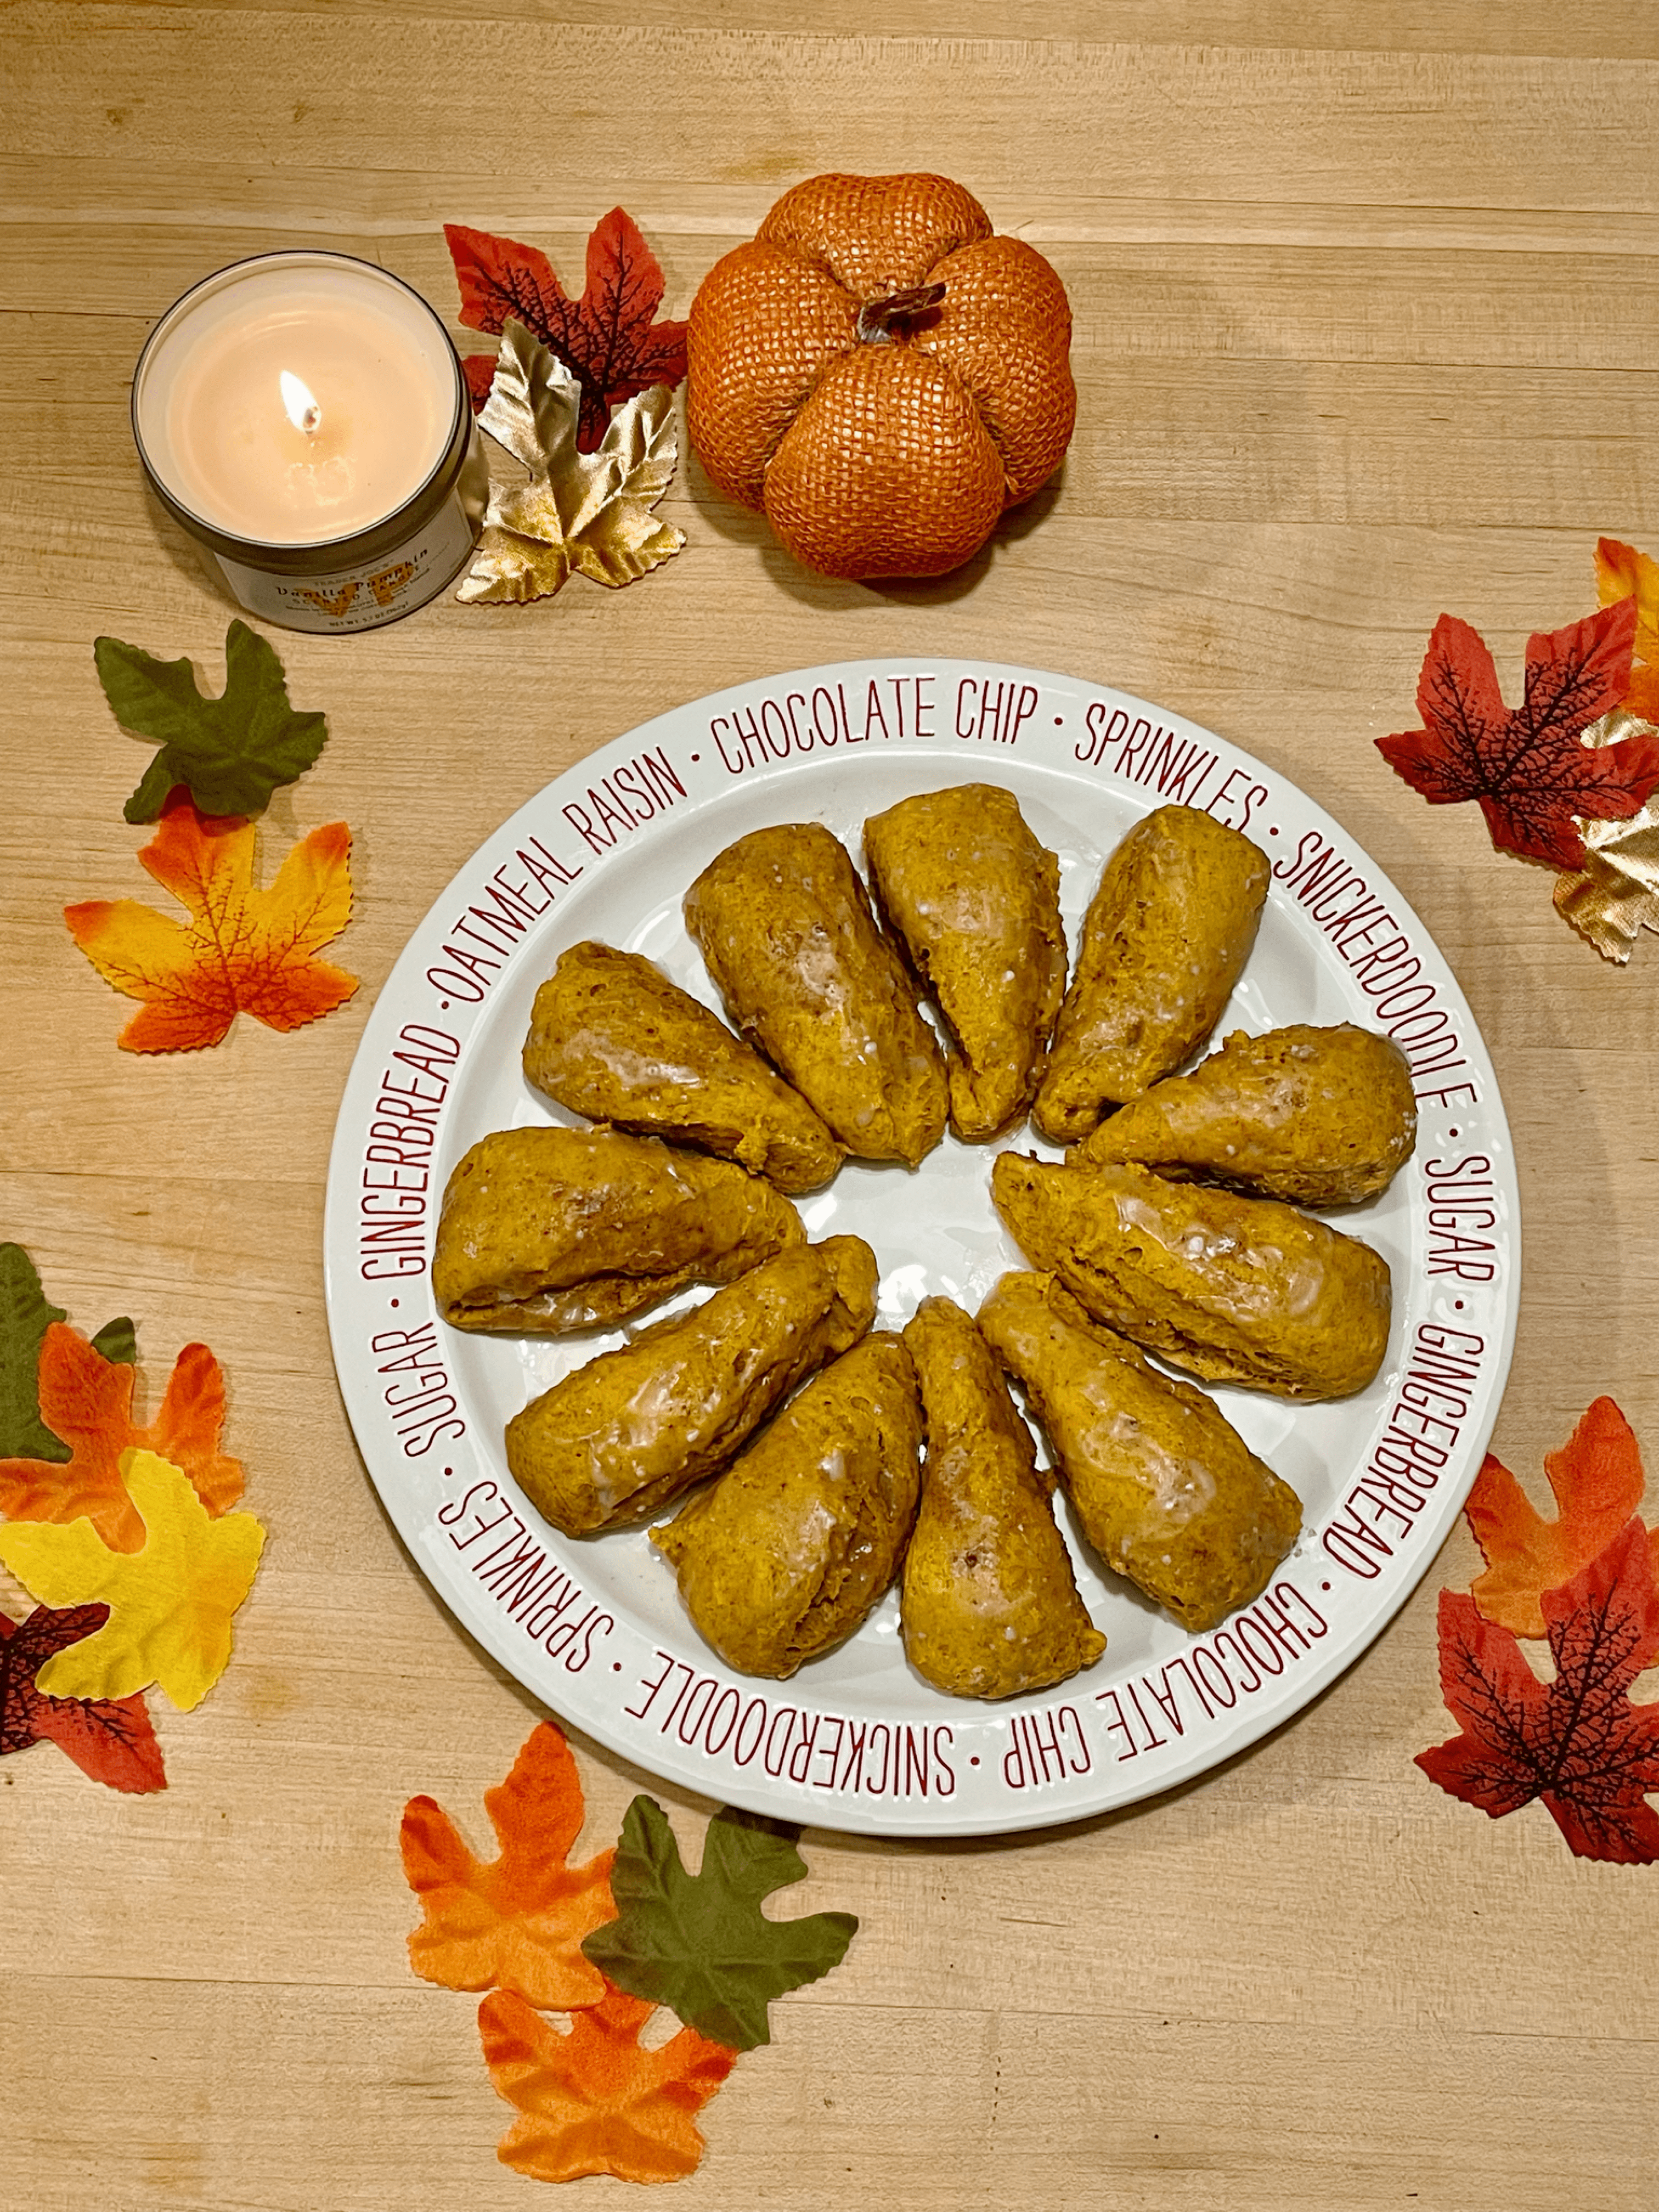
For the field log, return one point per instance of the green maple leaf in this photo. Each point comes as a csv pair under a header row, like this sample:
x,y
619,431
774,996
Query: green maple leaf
x,y
232,751
26,1314
700,1943
118,1342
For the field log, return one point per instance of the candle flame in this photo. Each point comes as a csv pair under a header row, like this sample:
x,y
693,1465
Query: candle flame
x,y
299,403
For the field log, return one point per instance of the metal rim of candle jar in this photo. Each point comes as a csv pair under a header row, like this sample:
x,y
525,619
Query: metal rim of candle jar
x,y
321,557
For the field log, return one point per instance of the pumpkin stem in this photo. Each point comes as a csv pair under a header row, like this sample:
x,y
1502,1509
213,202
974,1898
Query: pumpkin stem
x,y
896,314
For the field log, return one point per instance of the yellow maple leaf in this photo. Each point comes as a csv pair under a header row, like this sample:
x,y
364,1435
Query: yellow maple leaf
x,y
243,950
170,1605
1622,573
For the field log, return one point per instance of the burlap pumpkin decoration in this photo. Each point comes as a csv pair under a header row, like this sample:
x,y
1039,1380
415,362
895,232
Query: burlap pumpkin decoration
x,y
880,374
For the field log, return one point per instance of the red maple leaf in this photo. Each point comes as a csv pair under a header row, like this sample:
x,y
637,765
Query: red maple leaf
x,y
1577,1742
607,339
111,1739
479,370
1598,1482
1525,765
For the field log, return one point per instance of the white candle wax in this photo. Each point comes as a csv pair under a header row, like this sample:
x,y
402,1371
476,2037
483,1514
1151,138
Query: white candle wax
x,y
298,400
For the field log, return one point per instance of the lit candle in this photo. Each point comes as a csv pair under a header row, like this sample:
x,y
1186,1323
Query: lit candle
x,y
304,416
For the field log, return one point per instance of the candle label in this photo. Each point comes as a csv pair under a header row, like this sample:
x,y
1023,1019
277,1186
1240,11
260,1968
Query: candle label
x,y
362,598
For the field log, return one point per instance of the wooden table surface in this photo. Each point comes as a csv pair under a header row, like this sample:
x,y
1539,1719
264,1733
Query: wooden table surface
x,y
1365,329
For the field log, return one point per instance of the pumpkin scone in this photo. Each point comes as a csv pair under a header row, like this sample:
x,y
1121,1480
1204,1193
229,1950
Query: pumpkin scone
x,y
1164,940
614,1442
1319,1116
787,1554
545,1230
1236,1289
1167,1490
612,1037
989,1605
785,926
975,898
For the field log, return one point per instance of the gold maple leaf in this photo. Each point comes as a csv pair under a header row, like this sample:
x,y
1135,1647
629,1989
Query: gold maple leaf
x,y
590,512
1615,895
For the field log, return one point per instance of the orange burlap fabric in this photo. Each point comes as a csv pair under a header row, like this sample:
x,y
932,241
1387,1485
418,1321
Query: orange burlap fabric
x,y
872,452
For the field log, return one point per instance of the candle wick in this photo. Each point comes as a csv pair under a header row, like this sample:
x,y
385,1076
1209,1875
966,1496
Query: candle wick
x,y
299,404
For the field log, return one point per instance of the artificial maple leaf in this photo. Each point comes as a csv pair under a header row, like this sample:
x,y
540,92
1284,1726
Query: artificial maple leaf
x,y
87,1398
170,1604
700,1942
1526,766
117,1341
244,951
1614,896
479,370
516,1923
26,1314
1622,573
1598,1482
607,339
590,513
1577,1742
110,1739
592,2101
232,751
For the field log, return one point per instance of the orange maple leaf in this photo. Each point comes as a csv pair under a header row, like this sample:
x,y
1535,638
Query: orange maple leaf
x,y
87,1401
517,1922
592,2101
243,951
1622,573
1598,1482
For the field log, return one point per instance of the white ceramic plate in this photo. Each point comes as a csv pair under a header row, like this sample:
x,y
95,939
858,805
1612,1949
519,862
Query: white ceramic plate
x,y
857,1740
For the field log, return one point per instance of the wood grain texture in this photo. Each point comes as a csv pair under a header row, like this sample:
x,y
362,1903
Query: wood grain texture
x,y
1365,329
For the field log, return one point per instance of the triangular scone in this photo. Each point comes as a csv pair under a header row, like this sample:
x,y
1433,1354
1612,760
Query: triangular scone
x,y
612,1037
975,898
989,1606
617,1440
1321,1116
785,926
545,1231
1167,1490
1235,1289
787,1554
1164,940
